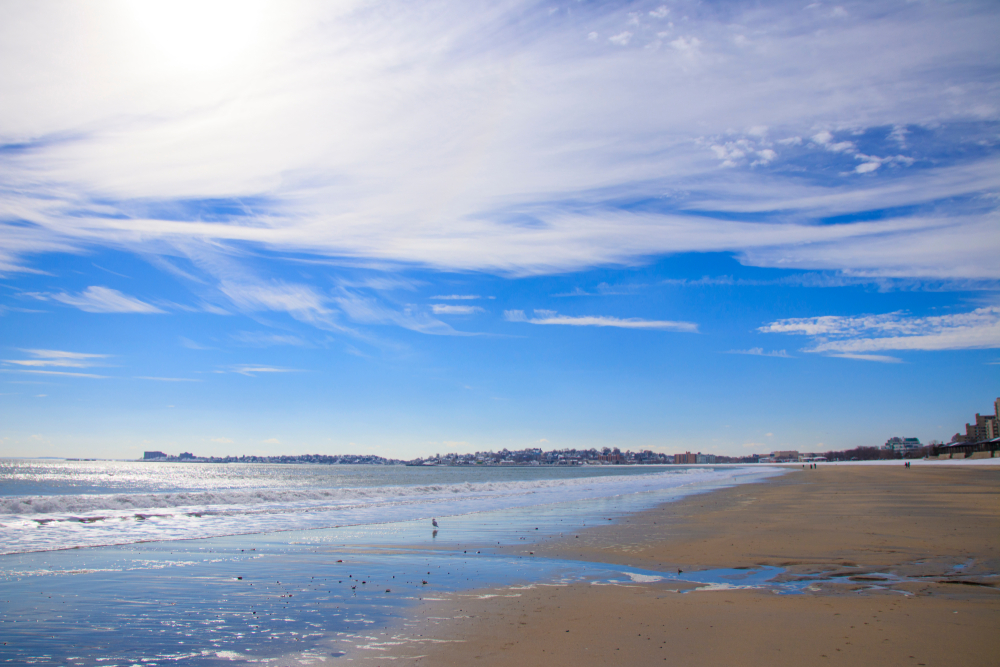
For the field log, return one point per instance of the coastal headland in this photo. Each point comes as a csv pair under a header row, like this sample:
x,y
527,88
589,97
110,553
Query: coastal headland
x,y
896,566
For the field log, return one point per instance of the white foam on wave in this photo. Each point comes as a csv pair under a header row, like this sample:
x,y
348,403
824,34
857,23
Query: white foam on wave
x,y
80,504
40,523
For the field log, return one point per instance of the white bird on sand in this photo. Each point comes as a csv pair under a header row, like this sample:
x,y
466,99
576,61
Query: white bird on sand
x,y
434,522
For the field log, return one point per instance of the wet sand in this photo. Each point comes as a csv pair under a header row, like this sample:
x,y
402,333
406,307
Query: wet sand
x,y
905,562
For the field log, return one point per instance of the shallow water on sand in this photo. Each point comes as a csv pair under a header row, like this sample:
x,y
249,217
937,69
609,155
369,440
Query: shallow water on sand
x,y
59,505
312,594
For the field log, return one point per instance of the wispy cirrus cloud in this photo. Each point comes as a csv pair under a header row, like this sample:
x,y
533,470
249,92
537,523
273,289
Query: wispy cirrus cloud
x,y
302,301
369,310
413,141
252,370
264,339
61,358
602,289
62,373
449,309
550,317
760,352
39,362
98,299
457,297
880,358
858,336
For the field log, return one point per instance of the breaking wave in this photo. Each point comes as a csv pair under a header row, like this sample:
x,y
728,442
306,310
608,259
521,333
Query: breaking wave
x,y
41,523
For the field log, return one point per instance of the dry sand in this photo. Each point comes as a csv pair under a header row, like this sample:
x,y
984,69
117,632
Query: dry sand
x,y
936,526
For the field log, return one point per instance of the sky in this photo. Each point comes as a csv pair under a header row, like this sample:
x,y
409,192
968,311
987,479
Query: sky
x,y
415,228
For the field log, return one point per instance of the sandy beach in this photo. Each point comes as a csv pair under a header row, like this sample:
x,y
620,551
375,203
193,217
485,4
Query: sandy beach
x,y
901,563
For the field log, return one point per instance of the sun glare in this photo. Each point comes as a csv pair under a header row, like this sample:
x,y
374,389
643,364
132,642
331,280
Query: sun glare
x,y
197,34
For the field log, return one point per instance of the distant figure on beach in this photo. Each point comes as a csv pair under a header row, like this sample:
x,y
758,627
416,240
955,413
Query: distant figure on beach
x,y
434,522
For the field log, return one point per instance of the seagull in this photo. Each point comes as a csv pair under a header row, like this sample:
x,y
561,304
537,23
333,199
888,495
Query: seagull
x,y
434,522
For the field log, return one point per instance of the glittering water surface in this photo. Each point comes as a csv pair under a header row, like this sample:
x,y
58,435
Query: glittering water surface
x,y
125,503
27,477
310,594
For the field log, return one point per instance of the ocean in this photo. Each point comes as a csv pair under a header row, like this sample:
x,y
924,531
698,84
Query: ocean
x,y
125,563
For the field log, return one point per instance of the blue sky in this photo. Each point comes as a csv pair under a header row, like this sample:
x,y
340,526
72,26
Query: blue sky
x,y
251,227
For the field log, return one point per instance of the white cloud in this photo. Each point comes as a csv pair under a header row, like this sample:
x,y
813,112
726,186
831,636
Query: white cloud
x,y
551,317
514,316
866,167
881,358
416,140
251,370
759,352
825,139
621,39
262,339
456,297
858,335
869,162
660,12
445,309
63,373
97,299
296,299
302,302
367,310
686,44
765,155
59,358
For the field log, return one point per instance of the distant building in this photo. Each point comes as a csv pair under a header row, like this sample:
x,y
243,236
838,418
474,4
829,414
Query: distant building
x,y
902,445
152,456
785,456
986,427
687,458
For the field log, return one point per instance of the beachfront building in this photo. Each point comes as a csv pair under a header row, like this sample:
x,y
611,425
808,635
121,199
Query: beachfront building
x,y
986,427
902,445
611,456
785,456
687,458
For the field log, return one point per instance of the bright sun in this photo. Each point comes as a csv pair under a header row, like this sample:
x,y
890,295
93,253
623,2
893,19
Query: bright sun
x,y
197,34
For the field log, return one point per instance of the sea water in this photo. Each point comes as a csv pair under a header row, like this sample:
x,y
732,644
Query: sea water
x,y
124,563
